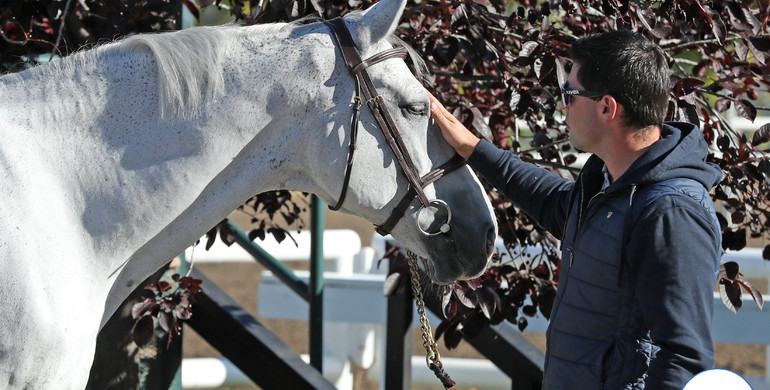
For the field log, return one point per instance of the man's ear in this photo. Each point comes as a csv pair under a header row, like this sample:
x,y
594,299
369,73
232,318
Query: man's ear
x,y
377,23
609,109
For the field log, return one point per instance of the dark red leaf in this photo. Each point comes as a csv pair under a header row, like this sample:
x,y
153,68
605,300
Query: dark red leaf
x,y
278,233
723,143
166,321
761,43
753,291
719,29
257,233
741,50
452,336
448,305
519,101
480,125
746,109
191,284
144,331
527,48
544,66
142,307
753,172
731,270
759,55
392,284
446,50
466,296
543,100
738,19
762,135
529,310
546,301
764,166
474,324
686,86
183,313
522,323
163,285
730,292
226,234
488,301
441,328
211,237
722,105
688,113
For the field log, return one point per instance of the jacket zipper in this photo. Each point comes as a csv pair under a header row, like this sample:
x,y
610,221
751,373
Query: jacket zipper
x,y
581,209
572,253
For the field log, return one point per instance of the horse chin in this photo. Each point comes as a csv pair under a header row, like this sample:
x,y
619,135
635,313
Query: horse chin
x,y
442,272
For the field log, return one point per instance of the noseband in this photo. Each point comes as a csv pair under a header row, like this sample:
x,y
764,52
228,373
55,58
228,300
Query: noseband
x,y
365,87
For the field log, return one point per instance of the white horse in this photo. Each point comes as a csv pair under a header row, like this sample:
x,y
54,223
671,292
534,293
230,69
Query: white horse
x,y
104,176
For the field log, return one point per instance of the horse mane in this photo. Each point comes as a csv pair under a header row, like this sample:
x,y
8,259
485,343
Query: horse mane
x,y
189,64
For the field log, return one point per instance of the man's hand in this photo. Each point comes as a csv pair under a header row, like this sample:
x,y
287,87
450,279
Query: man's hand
x,y
457,135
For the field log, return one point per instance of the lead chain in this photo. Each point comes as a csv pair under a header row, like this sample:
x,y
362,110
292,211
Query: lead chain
x,y
432,358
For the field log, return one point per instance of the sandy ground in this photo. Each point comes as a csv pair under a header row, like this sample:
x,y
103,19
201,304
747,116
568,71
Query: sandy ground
x,y
241,281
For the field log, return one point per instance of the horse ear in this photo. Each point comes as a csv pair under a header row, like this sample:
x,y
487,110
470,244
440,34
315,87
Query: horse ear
x,y
377,23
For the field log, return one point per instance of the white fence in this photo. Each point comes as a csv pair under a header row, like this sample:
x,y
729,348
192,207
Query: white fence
x,y
355,309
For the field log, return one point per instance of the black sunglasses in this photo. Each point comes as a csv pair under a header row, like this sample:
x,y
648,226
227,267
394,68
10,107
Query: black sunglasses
x,y
567,93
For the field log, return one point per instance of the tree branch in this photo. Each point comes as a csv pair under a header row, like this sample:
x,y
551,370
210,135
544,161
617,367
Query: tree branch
x,y
421,8
479,78
677,46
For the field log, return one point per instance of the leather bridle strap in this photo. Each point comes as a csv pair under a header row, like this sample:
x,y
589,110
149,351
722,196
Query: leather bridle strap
x,y
365,87
455,162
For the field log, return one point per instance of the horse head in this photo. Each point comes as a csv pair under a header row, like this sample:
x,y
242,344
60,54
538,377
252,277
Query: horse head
x,y
452,226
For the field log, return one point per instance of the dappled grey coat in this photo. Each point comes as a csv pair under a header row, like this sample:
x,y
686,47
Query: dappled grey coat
x,y
639,262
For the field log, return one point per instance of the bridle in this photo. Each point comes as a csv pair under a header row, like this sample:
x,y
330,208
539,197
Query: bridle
x,y
365,87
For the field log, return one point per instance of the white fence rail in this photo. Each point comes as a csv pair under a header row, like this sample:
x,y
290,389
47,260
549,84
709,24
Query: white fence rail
x,y
355,310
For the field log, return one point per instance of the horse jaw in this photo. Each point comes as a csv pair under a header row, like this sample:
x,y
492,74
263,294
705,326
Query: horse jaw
x,y
465,250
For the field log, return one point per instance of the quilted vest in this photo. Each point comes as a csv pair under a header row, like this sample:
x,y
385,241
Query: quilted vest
x,y
596,337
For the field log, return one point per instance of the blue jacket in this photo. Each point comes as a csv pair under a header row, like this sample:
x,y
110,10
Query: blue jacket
x,y
639,262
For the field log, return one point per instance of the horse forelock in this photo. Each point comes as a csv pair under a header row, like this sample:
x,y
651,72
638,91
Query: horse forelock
x,y
418,66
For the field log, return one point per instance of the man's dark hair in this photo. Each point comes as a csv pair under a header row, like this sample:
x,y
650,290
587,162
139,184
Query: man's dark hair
x,y
627,66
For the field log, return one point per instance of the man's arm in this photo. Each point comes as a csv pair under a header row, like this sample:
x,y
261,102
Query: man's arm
x,y
673,256
540,193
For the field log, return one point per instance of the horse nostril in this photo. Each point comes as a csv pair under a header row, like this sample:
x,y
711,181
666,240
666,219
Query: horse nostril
x,y
491,237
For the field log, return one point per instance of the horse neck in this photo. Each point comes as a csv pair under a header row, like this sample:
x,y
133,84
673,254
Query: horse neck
x,y
139,186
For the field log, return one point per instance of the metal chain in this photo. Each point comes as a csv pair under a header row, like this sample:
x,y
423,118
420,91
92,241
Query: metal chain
x,y
427,335
432,358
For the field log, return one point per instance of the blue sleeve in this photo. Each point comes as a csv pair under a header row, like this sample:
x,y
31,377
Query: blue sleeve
x,y
541,194
673,254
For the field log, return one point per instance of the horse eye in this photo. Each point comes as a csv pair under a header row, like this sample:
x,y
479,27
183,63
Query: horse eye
x,y
418,109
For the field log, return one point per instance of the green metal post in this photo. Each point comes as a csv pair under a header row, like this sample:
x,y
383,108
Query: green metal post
x,y
281,271
317,223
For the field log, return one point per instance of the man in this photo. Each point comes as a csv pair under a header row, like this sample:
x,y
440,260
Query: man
x,y
640,239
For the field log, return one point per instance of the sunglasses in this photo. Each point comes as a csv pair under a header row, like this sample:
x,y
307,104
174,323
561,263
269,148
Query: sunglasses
x,y
568,93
